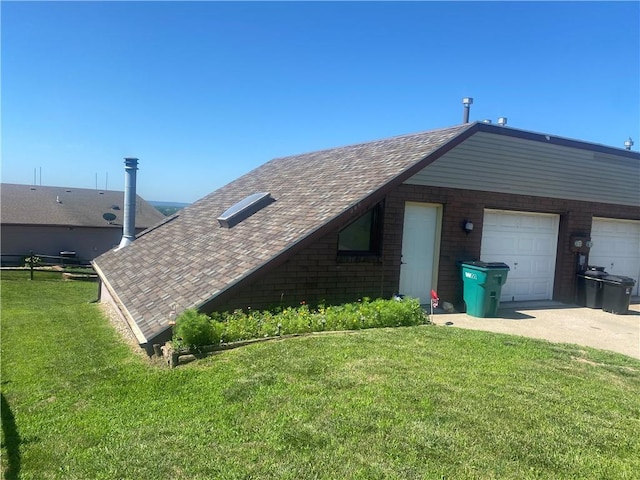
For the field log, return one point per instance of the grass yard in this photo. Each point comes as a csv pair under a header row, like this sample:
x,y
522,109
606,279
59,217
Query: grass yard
x,y
407,403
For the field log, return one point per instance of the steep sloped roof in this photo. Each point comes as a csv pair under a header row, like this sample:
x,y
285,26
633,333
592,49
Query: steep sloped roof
x,y
191,259
70,207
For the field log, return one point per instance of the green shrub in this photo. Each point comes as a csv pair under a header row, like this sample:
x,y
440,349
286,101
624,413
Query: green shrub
x,y
194,329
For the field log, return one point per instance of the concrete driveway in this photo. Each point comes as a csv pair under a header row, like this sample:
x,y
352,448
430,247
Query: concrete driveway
x,y
558,322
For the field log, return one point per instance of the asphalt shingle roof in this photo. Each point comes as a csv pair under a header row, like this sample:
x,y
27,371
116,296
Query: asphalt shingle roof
x,y
191,259
72,207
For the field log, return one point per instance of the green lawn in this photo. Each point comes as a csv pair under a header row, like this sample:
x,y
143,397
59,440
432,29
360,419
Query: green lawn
x,y
416,402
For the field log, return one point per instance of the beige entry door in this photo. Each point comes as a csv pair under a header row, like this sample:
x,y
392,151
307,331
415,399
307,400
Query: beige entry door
x,y
420,249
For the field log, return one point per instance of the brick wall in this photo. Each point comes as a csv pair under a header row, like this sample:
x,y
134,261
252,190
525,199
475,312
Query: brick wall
x,y
317,274
460,205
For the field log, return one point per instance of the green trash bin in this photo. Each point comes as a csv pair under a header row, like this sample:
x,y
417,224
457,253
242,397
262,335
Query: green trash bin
x,y
482,285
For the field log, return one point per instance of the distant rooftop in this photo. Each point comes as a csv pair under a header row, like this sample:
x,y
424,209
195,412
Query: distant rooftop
x,y
67,206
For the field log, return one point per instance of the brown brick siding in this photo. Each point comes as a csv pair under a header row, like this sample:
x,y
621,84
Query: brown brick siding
x,y
316,274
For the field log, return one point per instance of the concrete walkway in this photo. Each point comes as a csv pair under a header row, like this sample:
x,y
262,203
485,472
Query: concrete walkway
x,y
558,322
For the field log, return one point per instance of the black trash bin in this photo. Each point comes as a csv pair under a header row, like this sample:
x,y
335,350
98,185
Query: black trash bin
x,y
67,257
590,288
616,293
597,269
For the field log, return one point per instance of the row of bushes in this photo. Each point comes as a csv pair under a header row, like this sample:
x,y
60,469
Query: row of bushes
x,y
194,330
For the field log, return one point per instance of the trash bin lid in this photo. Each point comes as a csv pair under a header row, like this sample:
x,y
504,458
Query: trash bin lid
x,y
619,280
593,274
480,264
593,267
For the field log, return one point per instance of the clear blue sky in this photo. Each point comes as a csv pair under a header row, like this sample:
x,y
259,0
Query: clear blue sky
x,y
203,92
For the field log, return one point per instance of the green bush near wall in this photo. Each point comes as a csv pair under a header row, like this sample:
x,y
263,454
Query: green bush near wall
x,y
194,330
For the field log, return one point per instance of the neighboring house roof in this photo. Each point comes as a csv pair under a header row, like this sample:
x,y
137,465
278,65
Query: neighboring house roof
x,y
190,260
70,207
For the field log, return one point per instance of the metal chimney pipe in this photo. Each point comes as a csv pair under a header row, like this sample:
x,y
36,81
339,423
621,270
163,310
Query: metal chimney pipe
x,y
467,101
129,224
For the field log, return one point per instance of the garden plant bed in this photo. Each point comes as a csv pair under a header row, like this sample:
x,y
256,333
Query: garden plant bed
x,y
197,335
174,358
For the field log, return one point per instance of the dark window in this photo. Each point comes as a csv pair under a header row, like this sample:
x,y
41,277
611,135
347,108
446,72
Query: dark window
x,y
363,236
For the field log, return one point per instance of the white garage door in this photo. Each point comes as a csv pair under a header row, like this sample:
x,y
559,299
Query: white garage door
x,y
616,247
526,242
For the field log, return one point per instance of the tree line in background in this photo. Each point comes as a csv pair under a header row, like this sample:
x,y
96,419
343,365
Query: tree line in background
x,y
168,209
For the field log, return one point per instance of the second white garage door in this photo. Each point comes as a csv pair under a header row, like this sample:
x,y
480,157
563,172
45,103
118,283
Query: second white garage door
x,y
527,242
616,247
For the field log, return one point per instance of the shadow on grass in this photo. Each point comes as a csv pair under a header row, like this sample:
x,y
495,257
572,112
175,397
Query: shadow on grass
x,y
11,440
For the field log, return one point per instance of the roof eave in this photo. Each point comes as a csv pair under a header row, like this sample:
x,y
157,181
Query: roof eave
x,y
555,140
140,337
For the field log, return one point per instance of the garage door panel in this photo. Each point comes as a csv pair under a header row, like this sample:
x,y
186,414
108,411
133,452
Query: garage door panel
x,y
539,289
547,223
513,287
543,266
613,226
520,289
531,266
616,247
520,266
624,247
527,242
501,244
523,265
533,291
545,246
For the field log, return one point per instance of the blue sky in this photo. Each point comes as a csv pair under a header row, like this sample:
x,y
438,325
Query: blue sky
x,y
203,92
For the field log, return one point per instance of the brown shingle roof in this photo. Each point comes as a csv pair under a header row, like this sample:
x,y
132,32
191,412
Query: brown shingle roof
x,y
191,259
72,207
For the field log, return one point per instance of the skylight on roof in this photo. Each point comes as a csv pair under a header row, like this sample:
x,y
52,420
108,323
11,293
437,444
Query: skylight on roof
x,y
244,209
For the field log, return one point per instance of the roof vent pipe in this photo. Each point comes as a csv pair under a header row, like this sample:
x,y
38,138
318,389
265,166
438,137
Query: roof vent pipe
x,y
129,224
467,101
628,144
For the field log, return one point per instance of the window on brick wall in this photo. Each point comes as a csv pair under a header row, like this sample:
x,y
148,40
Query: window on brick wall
x,y
363,236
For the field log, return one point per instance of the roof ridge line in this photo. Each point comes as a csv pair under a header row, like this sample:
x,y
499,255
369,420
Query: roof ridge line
x,y
379,140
